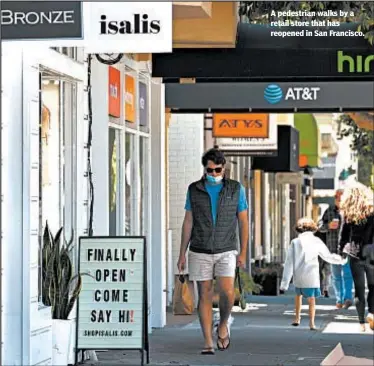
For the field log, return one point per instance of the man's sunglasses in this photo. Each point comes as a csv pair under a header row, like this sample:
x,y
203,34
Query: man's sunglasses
x,y
211,170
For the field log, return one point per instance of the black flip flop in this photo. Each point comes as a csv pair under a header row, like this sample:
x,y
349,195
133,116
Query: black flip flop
x,y
295,324
208,351
223,340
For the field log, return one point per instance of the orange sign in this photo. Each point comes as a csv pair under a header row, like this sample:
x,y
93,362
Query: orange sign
x,y
114,102
130,99
241,125
303,161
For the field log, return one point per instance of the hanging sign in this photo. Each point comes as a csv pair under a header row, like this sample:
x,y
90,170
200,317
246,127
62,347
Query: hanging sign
x,y
252,146
130,27
112,305
241,125
143,105
130,110
42,20
114,87
99,27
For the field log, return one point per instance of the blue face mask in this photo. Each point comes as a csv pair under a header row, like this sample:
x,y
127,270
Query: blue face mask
x,y
212,179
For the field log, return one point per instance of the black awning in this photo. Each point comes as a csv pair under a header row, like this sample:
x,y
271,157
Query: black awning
x,y
275,64
258,55
244,96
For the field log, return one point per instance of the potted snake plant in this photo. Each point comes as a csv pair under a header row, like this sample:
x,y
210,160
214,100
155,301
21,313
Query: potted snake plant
x,y
60,290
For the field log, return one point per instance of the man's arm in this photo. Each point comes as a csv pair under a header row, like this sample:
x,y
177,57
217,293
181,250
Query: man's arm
x,y
242,213
186,232
244,232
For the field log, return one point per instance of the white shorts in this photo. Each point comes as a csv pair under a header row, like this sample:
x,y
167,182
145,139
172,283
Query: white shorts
x,y
205,267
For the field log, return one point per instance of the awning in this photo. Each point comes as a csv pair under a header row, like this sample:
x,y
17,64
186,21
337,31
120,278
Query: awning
x,y
327,170
212,97
260,55
363,120
310,144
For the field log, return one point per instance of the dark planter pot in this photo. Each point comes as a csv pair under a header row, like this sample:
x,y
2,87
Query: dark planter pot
x,y
270,284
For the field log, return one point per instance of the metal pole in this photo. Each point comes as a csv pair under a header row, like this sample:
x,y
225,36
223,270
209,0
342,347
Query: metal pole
x,y
209,140
249,175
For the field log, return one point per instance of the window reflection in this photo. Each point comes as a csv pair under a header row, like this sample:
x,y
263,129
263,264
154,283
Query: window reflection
x,y
129,187
113,180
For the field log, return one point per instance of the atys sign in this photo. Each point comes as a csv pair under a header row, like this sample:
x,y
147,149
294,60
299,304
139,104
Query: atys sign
x,y
241,125
248,134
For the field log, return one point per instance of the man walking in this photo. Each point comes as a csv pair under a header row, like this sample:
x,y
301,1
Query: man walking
x,y
215,205
342,281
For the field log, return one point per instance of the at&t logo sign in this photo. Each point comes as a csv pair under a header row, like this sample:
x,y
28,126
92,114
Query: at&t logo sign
x,y
273,93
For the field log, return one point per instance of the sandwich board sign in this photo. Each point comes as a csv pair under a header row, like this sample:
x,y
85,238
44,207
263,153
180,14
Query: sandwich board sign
x,y
112,305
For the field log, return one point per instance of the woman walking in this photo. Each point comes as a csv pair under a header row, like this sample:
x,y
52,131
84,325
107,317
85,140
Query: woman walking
x,y
357,241
302,264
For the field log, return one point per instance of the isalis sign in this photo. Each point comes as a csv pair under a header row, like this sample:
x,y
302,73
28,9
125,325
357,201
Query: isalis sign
x,y
99,27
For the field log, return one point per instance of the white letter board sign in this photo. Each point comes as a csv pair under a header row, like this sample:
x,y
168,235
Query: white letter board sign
x,y
112,307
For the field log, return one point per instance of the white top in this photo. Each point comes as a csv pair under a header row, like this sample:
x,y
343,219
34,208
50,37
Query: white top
x,y
302,261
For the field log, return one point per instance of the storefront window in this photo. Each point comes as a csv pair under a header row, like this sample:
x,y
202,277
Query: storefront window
x,y
143,187
57,158
113,165
130,184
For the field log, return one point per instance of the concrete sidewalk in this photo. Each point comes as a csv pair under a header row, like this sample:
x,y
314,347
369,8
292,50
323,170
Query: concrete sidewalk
x,y
262,335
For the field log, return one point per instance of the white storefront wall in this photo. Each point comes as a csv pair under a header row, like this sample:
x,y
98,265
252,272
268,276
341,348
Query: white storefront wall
x,y
27,324
154,185
186,147
27,328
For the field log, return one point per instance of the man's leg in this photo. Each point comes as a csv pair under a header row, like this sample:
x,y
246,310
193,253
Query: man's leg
x,y
225,272
205,311
226,302
200,268
337,283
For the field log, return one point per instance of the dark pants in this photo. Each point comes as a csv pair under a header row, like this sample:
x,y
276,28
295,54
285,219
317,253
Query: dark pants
x,y
324,274
360,270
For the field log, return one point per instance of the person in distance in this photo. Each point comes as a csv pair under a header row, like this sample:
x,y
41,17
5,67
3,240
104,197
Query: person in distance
x,y
302,264
357,242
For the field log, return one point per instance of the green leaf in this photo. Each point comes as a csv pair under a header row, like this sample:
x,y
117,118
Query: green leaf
x,y
74,297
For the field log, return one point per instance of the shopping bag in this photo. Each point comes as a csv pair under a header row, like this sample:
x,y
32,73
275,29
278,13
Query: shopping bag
x,y
183,297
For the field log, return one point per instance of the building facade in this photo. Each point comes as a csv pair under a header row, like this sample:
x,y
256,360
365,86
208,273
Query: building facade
x,y
52,175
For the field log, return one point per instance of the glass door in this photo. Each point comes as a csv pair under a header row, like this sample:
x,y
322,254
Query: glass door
x,y
143,187
114,181
130,187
